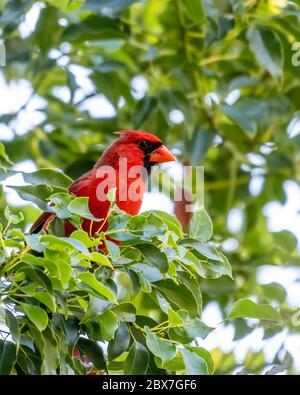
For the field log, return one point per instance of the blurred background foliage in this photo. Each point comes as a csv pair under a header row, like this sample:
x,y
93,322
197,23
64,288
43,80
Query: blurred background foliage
x,y
214,79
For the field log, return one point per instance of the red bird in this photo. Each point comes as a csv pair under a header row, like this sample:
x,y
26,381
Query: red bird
x,y
123,165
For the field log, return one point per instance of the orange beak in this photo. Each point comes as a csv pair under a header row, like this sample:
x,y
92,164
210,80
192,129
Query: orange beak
x,y
161,155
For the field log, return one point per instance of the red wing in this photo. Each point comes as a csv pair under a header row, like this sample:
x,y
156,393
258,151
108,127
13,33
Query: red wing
x,y
86,185
42,221
81,186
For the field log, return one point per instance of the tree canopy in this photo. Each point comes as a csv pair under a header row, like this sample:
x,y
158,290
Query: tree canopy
x,y
219,82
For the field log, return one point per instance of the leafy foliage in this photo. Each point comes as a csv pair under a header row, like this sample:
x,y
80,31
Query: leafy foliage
x,y
61,294
227,67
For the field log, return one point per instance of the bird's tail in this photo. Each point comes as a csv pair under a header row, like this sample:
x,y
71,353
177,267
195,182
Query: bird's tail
x,y
42,222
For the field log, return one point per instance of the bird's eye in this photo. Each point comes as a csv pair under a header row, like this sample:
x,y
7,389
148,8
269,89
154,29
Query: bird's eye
x,y
144,144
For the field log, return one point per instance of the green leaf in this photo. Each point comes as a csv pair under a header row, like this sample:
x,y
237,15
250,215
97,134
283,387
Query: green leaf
x,y
3,4
93,351
179,295
35,273
46,28
240,118
13,218
101,259
267,49
84,238
66,5
194,10
64,242
276,369
80,206
119,223
286,240
98,258
125,311
114,5
50,352
154,257
33,241
2,256
274,291
223,267
36,315
172,222
120,342
68,327
56,225
201,226
46,299
174,318
193,285
194,363
8,355
60,204
63,268
176,364
5,173
202,248
37,194
143,110
109,324
90,280
159,347
48,177
201,352
191,329
12,323
197,147
113,250
3,154
246,308
137,360
96,307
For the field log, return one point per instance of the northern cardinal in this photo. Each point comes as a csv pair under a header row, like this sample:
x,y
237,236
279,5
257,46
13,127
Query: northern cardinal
x,y
123,166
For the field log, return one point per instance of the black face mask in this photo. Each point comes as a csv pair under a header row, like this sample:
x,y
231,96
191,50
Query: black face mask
x,y
148,147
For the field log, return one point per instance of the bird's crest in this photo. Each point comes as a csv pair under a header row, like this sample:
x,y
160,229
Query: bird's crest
x,y
137,135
